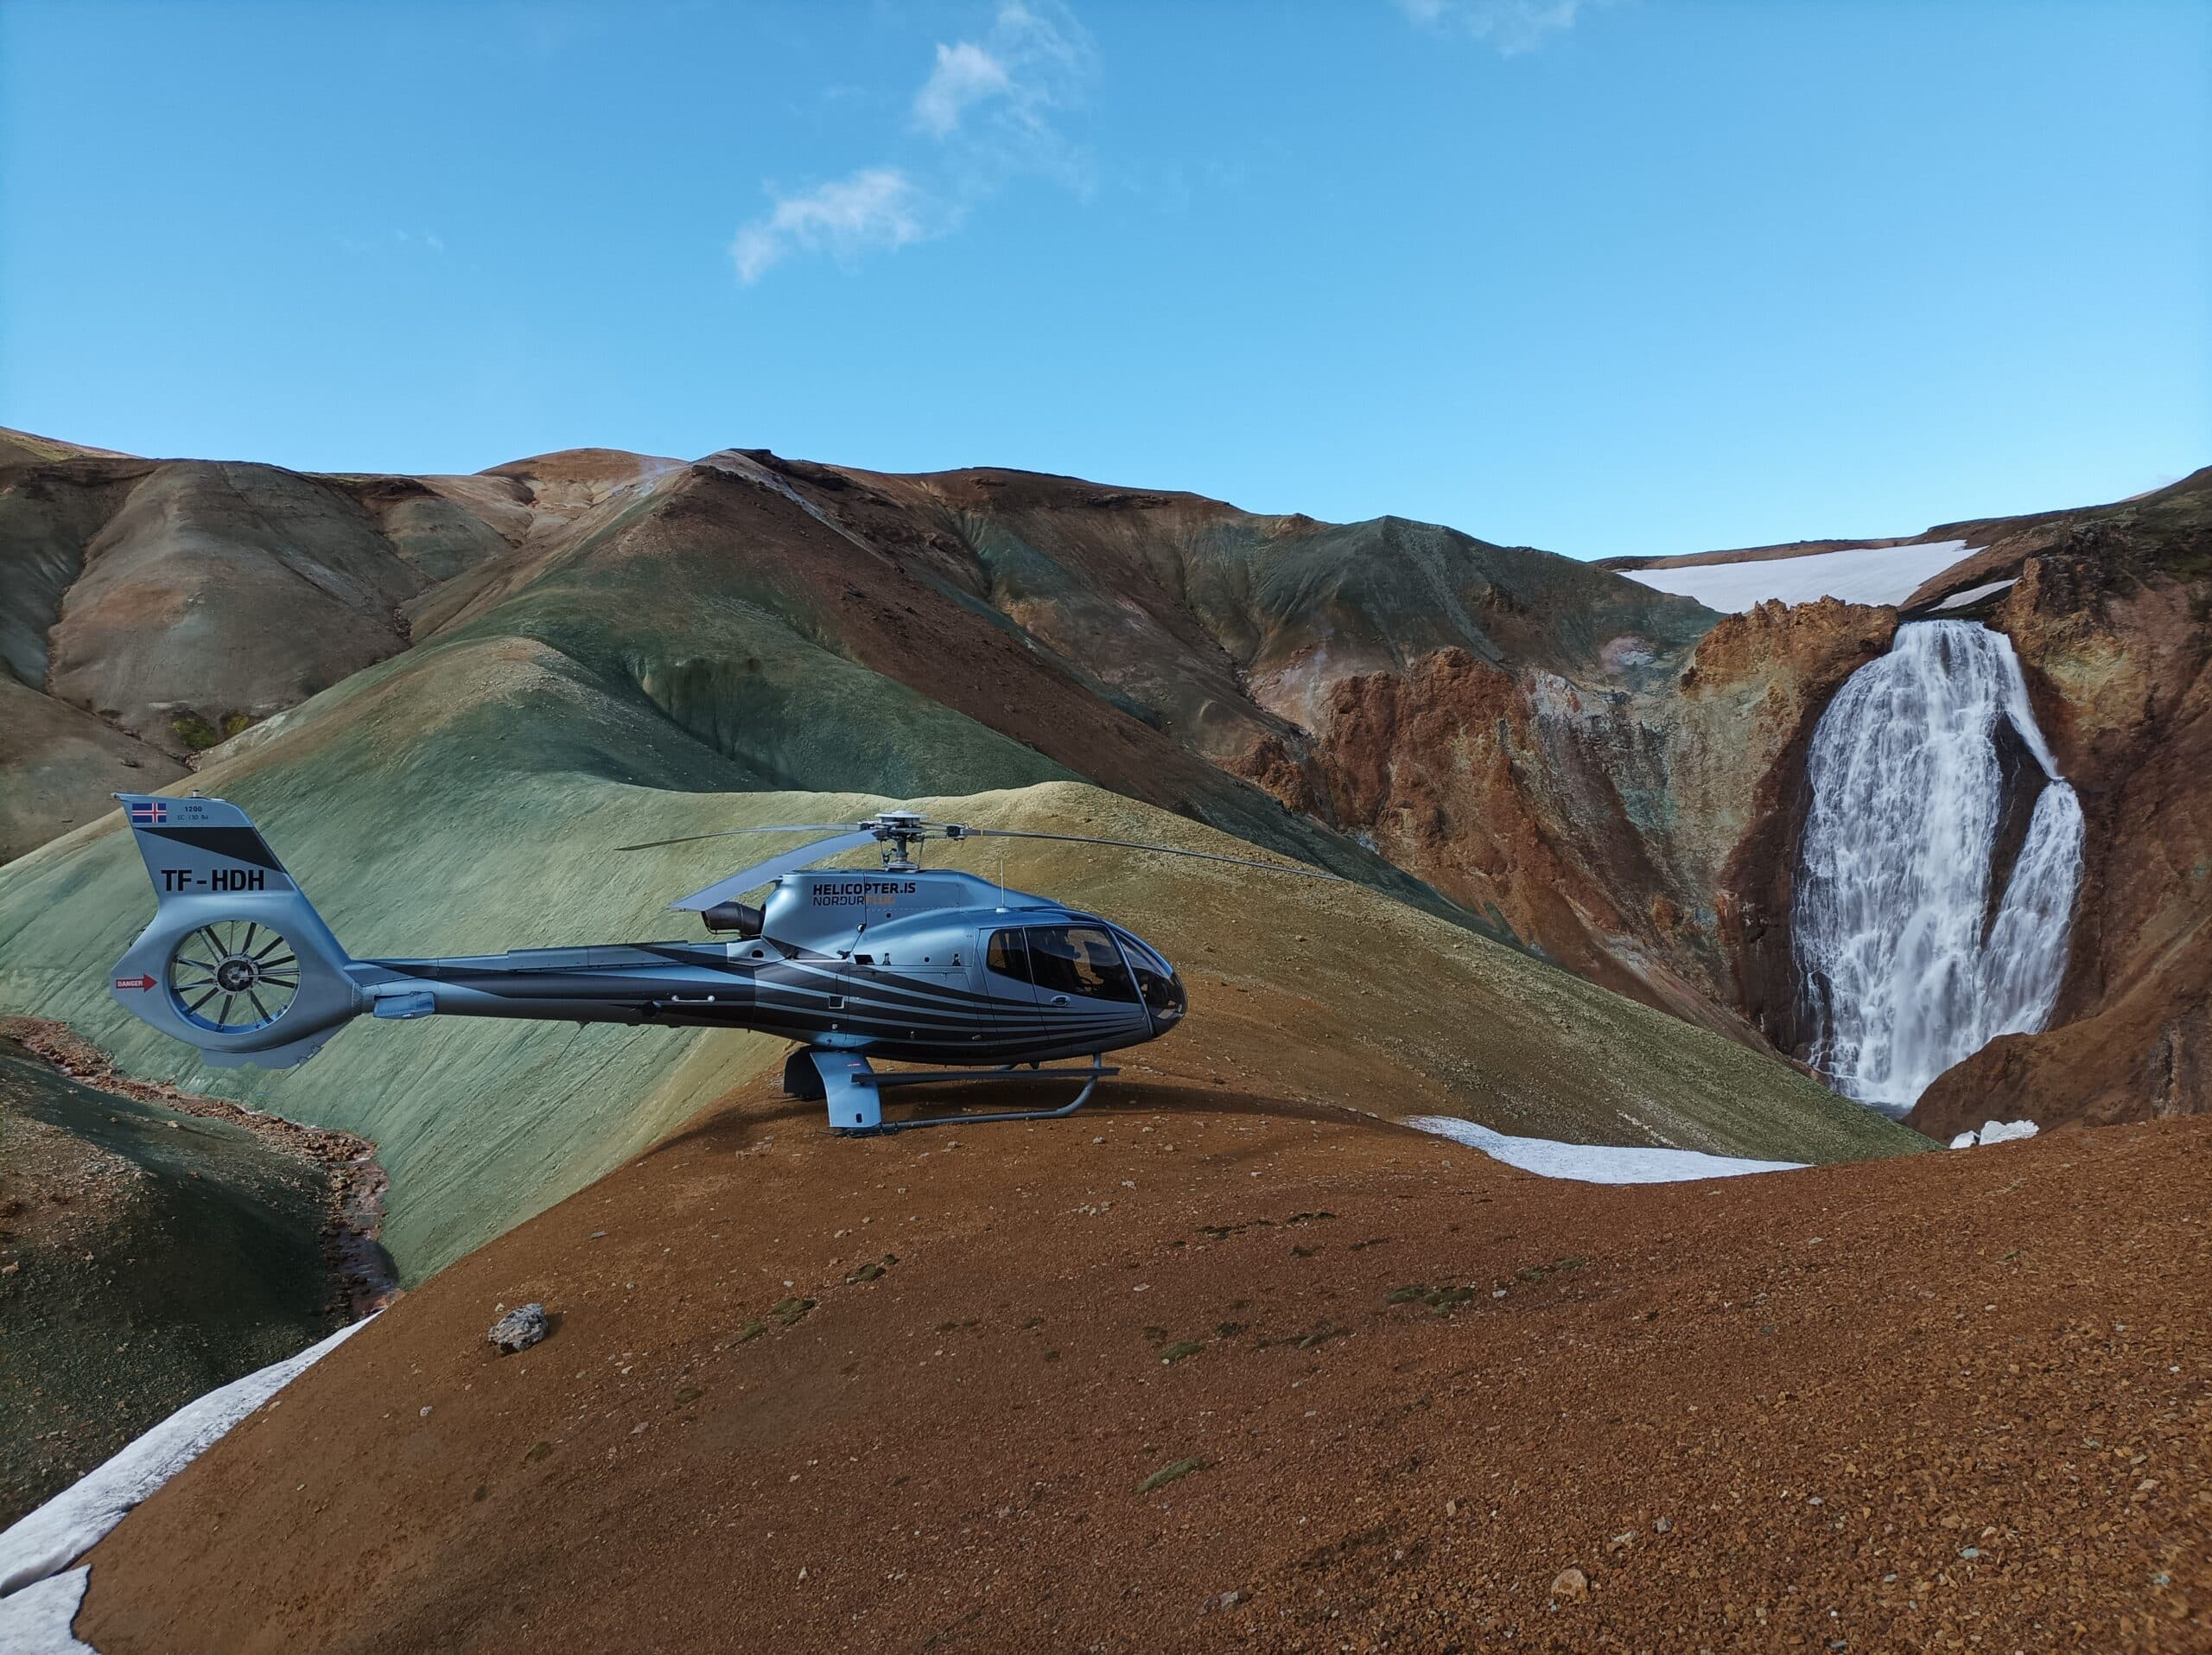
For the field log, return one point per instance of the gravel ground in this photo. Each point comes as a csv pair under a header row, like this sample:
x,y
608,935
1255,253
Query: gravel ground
x,y
1198,1369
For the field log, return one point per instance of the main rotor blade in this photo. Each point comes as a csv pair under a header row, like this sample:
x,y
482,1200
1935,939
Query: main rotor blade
x,y
725,890
724,833
1132,844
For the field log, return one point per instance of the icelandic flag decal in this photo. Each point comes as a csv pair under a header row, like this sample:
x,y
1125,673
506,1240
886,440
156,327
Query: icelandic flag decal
x,y
152,813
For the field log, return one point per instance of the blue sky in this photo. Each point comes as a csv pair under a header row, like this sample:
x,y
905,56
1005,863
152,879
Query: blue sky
x,y
1620,275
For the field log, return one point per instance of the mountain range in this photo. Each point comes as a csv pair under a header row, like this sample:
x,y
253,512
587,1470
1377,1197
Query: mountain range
x,y
1599,774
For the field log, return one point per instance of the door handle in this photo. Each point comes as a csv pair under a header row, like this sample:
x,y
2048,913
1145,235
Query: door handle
x,y
1060,999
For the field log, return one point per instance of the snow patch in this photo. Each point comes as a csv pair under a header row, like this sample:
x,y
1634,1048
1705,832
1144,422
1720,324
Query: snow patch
x,y
74,1520
1975,594
37,1620
1995,1132
1594,1164
1860,574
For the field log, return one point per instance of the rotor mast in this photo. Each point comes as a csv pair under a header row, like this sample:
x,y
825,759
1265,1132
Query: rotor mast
x,y
899,833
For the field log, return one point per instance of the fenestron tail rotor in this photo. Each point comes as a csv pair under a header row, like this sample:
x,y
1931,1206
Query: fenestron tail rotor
x,y
232,976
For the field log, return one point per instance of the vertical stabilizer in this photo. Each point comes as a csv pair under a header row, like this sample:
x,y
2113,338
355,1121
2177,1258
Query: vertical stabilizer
x,y
237,962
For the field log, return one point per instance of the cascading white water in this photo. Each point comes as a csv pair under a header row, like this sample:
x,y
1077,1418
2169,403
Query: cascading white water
x,y
1903,970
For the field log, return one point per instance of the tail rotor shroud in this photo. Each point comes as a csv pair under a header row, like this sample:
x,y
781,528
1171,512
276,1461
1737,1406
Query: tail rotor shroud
x,y
232,976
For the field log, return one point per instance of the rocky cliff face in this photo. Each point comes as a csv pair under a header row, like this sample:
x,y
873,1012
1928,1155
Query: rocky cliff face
x,y
2111,615
1637,832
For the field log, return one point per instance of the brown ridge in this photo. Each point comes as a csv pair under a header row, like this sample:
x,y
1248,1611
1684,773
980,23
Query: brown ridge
x,y
1206,1369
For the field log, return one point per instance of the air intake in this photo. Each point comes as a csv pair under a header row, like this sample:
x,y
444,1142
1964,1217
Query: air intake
x,y
741,918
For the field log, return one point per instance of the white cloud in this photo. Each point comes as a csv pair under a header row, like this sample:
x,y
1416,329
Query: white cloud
x,y
965,74
1511,26
990,104
876,207
988,107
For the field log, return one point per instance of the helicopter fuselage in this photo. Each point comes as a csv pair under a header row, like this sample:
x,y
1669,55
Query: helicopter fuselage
x,y
927,967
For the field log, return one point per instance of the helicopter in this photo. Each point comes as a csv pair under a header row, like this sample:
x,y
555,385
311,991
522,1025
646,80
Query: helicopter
x,y
899,964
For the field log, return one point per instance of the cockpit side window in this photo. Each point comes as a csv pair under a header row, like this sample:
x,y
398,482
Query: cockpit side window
x,y
1080,961
1008,955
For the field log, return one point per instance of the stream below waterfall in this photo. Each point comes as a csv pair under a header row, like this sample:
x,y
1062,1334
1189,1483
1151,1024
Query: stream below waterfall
x,y
1911,954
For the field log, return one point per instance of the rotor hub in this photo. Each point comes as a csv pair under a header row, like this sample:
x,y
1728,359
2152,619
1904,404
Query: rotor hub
x,y
898,833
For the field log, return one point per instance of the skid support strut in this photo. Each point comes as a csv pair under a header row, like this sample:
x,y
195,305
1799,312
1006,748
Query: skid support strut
x,y
853,1090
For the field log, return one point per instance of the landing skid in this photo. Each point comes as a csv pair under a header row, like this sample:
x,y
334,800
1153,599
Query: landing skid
x,y
854,1091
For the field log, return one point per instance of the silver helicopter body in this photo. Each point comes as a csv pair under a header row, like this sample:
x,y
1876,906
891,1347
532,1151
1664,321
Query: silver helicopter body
x,y
933,967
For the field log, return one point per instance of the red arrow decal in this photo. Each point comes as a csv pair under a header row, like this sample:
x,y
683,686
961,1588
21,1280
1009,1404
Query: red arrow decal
x,y
134,983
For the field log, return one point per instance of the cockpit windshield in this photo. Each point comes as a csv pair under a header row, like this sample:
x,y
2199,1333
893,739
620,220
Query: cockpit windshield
x,y
1078,959
1162,994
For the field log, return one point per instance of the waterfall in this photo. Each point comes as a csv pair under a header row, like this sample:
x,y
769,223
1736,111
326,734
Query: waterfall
x,y
1904,970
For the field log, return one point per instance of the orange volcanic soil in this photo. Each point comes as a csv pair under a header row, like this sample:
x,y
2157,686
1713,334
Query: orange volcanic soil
x,y
1948,1401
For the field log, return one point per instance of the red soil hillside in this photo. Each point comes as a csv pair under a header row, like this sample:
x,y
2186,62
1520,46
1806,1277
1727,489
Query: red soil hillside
x,y
1206,1369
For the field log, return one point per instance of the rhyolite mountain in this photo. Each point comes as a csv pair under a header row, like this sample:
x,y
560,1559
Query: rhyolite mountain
x,y
1600,773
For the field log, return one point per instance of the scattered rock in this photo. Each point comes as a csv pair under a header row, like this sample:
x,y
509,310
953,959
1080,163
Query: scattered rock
x,y
519,1329
1166,1474
1663,1525
1570,1586
1621,1542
